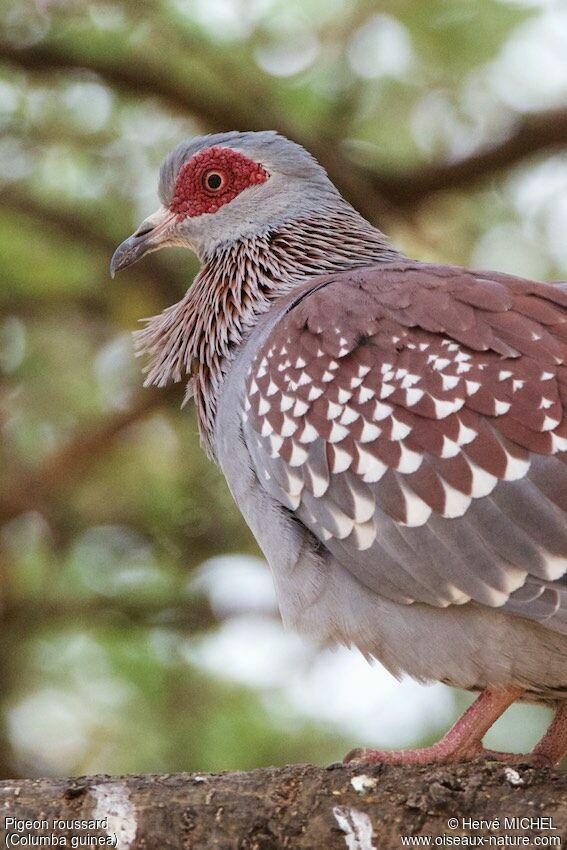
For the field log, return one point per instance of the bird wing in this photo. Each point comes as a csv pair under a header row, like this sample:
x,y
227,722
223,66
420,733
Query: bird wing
x,y
412,418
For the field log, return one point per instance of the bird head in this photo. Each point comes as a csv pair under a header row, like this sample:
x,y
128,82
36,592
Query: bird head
x,y
221,188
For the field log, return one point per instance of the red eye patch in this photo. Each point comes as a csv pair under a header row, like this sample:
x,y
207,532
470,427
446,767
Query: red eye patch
x,y
211,179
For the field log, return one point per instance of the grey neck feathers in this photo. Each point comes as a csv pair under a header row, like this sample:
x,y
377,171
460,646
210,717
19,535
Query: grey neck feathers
x,y
198,337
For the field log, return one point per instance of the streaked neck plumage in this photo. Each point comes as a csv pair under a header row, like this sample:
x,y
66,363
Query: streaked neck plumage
x,y
198,337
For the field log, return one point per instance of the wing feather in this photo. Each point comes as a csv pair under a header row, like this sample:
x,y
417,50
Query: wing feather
x,y
413,418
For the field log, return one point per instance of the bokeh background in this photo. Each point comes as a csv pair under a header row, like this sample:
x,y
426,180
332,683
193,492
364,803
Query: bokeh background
x,y
138,626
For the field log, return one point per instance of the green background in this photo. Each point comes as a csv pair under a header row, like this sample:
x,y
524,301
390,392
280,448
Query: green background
x,y
445,122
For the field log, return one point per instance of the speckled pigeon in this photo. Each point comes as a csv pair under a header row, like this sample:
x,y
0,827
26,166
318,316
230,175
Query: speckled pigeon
x,y
393,432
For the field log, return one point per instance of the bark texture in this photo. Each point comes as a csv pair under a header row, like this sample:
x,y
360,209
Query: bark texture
x,y
301,807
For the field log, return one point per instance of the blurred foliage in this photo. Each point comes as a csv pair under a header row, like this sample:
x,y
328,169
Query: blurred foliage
x,y
107,505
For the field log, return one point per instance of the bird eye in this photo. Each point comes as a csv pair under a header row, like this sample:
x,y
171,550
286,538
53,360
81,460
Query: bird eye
x,y
214,180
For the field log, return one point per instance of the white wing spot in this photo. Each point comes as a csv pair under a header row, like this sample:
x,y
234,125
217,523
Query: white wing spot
x,y
369,432
333,410
501,407
266,429
399,429
450,447
441,363
369,467
338,433
309,434
341,460
449,382
320,484
314,393
515,467
275,444
381,411
555,565
409,460
549,423
413,396
444,408
417,511
343,523
363,534
365,394
298,455
466,434
364,506
463,368
349,416
456,503
483,482
558,444
289,427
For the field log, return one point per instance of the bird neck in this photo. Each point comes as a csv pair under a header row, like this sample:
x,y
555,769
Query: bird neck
x,y
198,337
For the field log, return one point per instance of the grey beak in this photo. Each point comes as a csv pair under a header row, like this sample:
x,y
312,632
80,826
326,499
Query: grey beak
x,y
155,232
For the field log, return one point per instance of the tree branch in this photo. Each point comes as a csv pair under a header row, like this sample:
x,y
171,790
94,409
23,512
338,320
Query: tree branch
x,y
191,616
532,134
369,191
297,807
30,490
132,77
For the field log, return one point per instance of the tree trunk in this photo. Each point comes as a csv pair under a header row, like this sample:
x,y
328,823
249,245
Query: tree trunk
x,y
301,807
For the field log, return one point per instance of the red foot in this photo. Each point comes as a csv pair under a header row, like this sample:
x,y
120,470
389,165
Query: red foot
x,y
463,742
439,754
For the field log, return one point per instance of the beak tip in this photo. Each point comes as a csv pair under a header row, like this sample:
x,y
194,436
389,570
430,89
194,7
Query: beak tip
x,y
114,266
123,256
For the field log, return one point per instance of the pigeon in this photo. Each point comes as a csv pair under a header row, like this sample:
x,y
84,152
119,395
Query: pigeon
x,y
393,432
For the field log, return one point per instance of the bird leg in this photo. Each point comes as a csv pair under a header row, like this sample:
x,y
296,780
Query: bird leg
x,y
553,746
463,741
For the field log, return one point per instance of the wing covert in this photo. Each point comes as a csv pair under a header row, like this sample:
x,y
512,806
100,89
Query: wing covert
x,y
397,411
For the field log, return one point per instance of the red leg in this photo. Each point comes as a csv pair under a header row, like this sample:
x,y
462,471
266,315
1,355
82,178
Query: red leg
x,y
462,742
553,745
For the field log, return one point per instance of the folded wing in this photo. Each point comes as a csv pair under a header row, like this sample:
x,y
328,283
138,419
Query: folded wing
x,y
413,418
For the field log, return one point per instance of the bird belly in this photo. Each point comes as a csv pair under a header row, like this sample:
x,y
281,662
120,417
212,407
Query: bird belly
x,y
468,646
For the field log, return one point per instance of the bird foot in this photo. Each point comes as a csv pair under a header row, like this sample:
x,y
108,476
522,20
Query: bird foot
x,y
440,754
463,742
437,754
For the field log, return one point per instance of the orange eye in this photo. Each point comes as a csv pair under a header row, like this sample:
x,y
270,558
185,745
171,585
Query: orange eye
x,y
214,180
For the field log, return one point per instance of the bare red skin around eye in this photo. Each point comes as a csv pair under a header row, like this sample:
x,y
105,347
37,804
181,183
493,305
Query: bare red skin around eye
x,y
191,198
